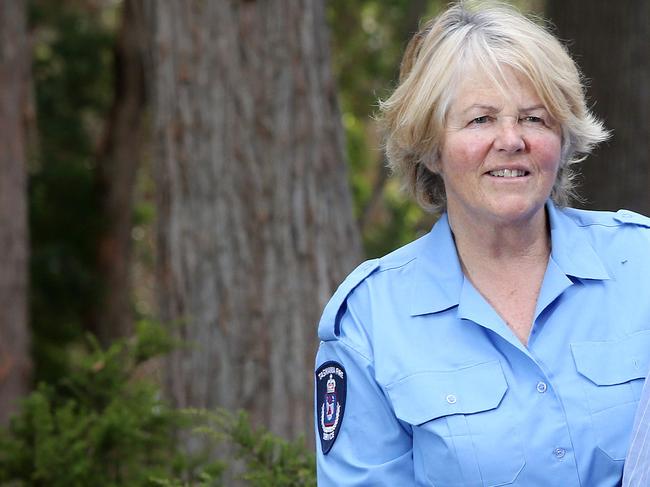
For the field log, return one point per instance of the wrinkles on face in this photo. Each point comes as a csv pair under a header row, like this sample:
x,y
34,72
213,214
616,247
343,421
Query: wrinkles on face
x,y
490,130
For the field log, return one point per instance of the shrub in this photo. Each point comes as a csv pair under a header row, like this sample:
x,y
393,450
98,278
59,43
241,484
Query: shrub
x,y
105,424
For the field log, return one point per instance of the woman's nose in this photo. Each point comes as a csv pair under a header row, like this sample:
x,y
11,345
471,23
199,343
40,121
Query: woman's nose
x,y
509,137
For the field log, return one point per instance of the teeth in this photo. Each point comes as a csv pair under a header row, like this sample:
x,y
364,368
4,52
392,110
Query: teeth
x,y
508,173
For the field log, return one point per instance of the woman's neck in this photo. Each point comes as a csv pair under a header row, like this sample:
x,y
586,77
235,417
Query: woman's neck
x,y
498,245
506,263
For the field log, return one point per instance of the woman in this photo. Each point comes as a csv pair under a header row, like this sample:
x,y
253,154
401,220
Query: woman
x,y
509,345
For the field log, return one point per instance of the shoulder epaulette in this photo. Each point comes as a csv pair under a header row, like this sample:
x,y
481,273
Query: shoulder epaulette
x,y
627,216
328,328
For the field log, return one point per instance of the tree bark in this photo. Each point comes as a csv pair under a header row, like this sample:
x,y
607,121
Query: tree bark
x,y
254,211
611,42
119,159
15,362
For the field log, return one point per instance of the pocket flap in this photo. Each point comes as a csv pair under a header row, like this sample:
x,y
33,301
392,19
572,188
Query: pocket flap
x,y
428,395
612,362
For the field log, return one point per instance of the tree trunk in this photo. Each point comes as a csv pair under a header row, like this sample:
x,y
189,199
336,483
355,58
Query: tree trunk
x,y
15,362
611,42
119,160
254,212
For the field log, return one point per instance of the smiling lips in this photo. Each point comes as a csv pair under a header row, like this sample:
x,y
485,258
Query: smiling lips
x,y
508,173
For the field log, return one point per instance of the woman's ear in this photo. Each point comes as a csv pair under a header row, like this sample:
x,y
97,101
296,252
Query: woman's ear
x,y
432,163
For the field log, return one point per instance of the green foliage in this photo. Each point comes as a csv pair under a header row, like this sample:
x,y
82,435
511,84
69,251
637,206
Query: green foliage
x,y
99,426
105,424
266,459
73,78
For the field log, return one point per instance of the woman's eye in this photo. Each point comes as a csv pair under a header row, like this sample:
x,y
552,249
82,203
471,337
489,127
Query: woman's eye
x,y
533,119
481,119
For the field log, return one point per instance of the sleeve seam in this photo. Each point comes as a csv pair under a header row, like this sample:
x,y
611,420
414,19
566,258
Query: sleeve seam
x,y
354,349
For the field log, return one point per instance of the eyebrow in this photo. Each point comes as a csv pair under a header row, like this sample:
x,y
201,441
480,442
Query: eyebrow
x,y
480,106
492,109
534,107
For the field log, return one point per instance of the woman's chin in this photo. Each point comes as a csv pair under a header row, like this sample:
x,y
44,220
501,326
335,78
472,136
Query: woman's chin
x,y
515,210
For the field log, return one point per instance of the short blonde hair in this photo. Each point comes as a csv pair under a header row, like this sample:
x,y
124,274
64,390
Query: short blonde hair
x,y
489,36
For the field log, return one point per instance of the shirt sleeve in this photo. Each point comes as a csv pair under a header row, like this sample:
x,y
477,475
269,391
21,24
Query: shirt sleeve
x,y
637,463
372,446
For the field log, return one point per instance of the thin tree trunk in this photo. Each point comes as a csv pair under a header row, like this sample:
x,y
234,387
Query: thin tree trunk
x,y
254,211
611,42
410,26
15,362
119,160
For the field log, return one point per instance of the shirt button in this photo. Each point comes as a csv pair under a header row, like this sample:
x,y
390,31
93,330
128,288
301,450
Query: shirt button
x,y
559,452
541,387
451,399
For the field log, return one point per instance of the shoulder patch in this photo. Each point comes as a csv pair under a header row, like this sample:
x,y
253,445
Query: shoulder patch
x,y
627,216
331,390
328,328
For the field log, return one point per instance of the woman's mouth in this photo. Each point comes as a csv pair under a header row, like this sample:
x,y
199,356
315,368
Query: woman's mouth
x,y
508,173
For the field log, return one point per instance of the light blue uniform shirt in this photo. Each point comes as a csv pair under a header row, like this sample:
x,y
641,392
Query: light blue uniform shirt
x,y
637,463
441,392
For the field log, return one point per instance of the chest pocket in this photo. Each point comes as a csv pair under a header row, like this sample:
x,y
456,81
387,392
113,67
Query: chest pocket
x,y
462,436
615,371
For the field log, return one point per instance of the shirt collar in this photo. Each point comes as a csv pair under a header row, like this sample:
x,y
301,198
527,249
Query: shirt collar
x,y
438,278
570,248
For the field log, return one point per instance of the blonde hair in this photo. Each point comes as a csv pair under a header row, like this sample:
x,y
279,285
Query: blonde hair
x,y
489,36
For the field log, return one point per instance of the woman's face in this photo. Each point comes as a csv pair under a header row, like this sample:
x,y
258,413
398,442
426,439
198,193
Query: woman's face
x,y
500,153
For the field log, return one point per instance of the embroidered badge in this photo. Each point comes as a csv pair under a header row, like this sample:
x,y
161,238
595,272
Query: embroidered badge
x,y
331,389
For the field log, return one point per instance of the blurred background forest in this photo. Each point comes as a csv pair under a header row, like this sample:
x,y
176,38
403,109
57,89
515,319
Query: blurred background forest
x,y
182,186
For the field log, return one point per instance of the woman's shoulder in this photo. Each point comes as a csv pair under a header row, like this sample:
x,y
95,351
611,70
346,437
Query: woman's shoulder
x,y
624,227
622,234
389,270
606,218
